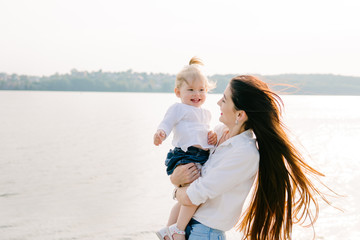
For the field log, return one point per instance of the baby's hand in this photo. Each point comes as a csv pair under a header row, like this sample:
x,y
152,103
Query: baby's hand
x,y
212,138
159,137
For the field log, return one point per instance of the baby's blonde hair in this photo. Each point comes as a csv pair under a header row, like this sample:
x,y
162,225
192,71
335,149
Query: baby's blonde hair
x,y
191,72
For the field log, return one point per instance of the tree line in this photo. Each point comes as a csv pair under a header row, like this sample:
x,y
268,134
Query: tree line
x,y
129,81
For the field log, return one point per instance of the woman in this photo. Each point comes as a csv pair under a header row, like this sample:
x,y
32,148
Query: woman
x,y
283,193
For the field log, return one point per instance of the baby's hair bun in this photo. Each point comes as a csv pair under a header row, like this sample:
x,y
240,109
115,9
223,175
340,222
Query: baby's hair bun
x,y
195,60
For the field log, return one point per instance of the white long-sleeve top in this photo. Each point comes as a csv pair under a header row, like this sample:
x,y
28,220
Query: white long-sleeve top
x,y
226,180
190,125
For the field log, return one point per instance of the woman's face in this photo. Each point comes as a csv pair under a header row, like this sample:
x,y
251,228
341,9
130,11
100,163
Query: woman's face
x,y
227,108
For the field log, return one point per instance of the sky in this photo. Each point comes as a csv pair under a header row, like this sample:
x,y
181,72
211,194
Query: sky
x,y
44,37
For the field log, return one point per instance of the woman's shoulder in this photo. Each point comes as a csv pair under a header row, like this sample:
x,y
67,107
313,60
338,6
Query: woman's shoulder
x,y
245,143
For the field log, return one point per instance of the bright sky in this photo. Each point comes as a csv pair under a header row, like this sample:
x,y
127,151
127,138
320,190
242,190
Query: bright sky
x,y
42,37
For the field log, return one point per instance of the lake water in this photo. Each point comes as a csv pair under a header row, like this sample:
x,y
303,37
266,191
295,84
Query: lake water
x,y
81,165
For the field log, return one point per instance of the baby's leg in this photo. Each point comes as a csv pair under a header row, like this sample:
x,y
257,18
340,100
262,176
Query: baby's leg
x,y
174,214
185,214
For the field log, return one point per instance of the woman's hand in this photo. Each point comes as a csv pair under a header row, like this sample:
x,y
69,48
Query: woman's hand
x,y
184,174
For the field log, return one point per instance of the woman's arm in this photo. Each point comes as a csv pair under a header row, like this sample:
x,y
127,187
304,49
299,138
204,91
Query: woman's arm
x,y
236,168
184,174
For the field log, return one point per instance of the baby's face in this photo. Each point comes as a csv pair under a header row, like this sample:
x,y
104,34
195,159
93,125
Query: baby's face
x,y
192,93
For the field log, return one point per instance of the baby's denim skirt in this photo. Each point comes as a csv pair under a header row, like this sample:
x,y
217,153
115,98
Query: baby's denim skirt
x,y
177,157
198,231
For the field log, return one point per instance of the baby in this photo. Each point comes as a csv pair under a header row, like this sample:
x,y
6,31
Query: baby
x,y
192,136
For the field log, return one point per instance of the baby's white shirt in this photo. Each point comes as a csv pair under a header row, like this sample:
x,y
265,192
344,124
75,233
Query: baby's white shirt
x,y
189,124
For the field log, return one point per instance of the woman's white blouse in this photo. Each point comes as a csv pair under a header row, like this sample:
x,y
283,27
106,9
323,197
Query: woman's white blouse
x,y
226,180
190,125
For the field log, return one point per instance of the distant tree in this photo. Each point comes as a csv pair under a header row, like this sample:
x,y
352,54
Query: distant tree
x,y
129,81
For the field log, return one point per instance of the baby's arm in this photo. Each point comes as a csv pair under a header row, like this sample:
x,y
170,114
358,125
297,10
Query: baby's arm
x,y
212,138
172,116
159,137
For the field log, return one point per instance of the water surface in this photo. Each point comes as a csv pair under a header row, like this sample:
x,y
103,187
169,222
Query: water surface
x,y
82,165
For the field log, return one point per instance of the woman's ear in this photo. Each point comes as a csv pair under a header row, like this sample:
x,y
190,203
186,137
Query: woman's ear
x,y
177,92
242,116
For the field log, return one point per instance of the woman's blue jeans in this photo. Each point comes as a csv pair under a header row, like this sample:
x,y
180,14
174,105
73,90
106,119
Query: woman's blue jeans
x,y
197,231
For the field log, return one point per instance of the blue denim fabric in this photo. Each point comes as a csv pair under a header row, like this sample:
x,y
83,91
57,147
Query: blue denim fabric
x,y
178,157
198,231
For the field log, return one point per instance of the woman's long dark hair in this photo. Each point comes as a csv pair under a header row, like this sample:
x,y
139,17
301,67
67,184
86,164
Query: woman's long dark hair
x,y
283,193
